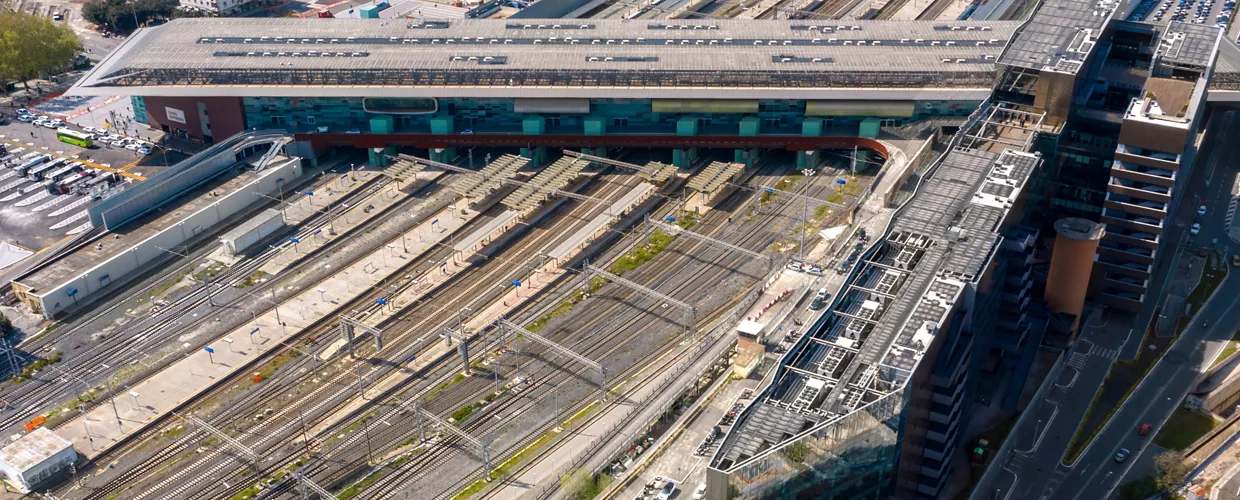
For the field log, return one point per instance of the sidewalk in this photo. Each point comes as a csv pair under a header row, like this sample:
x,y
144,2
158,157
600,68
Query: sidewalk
x,y
108,424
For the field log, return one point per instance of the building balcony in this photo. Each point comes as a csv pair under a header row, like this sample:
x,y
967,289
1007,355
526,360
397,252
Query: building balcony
x,y
1141,173
1123,267
1124,203
1133,238
1125,220
1126,253
1147,157
1140,190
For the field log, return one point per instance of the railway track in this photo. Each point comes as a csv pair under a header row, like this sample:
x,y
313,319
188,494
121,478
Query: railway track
x,y
526,399
124,348
272,392
404,341
935,10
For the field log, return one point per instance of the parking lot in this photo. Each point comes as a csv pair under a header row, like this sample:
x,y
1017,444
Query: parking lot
x,y
1206,12
47,201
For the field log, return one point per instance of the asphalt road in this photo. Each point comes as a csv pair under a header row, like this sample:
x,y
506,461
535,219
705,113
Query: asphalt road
x,y
1034,469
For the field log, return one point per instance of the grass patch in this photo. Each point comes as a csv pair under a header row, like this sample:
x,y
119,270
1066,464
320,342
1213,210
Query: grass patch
x,y
210,271
165,286
559,310
269,369
655,244
503,468
1183,429
464,412
459,377
252,279
36,366
1228,350
356,488
1211,277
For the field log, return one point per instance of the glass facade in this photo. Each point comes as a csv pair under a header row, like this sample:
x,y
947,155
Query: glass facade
x,y
482,115
851,458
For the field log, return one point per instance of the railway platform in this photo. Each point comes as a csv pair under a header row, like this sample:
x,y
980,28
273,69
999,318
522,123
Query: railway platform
x,y
131,411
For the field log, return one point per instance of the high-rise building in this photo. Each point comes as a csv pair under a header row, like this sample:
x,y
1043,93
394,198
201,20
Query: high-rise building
x,y
1153,160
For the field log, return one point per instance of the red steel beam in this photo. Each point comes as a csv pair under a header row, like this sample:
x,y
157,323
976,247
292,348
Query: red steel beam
x,y
789,142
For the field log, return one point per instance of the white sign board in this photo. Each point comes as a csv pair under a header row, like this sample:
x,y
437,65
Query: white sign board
x,y
175,114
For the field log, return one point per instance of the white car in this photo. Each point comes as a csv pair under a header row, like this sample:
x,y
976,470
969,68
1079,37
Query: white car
x,y
700,492
1195,229
51,124
90,130
666,492
118,143
146,151
133,146
1201,210
25,118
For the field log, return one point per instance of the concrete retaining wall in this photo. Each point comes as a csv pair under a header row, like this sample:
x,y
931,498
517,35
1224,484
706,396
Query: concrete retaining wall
x,y
116,270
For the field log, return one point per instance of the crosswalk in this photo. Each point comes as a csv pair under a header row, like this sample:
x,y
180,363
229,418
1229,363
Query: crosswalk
x,y
1104,352
1086,349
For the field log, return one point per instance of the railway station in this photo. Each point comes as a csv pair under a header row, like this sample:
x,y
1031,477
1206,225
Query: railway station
x,y
445,85
566,231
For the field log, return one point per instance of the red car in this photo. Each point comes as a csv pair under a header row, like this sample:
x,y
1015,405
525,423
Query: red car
x,y
1144,430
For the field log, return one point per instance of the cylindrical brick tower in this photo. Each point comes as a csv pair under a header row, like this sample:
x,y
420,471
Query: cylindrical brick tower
x,y
1071,264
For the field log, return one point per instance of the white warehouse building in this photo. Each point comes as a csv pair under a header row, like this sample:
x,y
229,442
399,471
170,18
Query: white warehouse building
x,y
34,458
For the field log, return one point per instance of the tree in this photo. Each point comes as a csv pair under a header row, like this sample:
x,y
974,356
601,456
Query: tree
x,y
576,482
33,46
123,16
6,325
1169,471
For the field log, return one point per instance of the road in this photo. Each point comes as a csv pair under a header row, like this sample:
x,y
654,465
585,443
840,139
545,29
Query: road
x,y
1034,469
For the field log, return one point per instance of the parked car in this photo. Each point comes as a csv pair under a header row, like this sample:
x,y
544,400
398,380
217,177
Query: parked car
x,y
700,492
667,490
1195,229
1201,210
1235,260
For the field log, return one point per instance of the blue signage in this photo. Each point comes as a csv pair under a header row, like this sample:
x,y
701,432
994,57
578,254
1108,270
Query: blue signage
x,y
71,292
295,240
209,350
516,283
670,219
381,302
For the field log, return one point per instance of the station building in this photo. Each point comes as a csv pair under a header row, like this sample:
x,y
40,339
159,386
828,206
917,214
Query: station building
x,y
576,83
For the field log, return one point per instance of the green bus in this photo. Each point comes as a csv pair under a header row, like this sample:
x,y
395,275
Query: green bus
x,y
74,137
